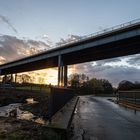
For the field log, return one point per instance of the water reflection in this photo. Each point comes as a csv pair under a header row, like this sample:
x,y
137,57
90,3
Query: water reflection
x,y
31,101
13,110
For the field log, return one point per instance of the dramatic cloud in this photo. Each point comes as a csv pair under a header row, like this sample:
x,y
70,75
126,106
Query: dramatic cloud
x,y
6,21
12,48
46,39
134,60
2,60
112,70
70,38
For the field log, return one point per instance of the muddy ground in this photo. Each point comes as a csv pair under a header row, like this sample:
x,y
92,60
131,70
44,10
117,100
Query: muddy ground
x,y
40,108
12,128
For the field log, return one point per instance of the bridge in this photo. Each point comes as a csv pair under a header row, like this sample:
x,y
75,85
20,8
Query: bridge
x,y
113,42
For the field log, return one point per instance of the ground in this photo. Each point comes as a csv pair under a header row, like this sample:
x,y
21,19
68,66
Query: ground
x,y
19,96
13,129
98,118
95,118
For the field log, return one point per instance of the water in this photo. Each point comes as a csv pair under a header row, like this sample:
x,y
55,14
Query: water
x,y
13,110
5,111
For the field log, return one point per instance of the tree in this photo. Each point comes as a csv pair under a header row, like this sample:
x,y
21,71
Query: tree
x,y
77,80
107,86
25,78
1,78
126,85
41,80
7,79
137,85
84,85
100,86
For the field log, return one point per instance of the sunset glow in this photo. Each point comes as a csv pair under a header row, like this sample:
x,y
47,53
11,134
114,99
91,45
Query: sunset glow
x,y
45,76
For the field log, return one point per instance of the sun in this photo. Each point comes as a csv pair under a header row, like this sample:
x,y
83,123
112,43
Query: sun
x,y
45,76
51,77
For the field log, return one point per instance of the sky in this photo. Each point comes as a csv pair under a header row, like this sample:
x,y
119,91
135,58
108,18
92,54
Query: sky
x,y
30,26
58,18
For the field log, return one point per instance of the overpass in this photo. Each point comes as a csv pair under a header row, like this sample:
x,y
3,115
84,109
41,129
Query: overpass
x,y
113,42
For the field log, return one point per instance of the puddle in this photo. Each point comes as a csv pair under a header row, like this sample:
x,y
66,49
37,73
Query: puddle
x,y
75,111
31,101
6,111
13,110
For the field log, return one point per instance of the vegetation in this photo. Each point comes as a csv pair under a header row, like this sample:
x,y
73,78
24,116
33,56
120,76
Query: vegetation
x,y
128,85
33,87
13,129
83,84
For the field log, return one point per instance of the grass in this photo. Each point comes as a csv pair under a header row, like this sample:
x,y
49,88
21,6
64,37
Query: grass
x,y
34,88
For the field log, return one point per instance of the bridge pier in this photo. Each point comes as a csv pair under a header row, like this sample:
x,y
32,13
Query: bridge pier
x,y
62,72
15,78
11,78
5,79
65,76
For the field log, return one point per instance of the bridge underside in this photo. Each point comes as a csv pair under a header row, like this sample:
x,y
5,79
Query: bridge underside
x,y
106,51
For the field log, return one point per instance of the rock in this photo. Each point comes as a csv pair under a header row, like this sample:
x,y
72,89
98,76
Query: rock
x,y
13,113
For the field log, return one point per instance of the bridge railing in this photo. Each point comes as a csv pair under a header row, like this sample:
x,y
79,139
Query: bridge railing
x,y
132,97
102,32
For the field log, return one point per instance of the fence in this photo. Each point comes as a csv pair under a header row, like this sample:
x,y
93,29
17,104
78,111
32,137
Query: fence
x,y
132,97
27,87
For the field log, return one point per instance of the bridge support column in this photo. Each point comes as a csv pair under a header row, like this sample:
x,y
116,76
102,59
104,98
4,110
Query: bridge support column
x,y
11,78
5,78
62,73
15,78
65,76
59,70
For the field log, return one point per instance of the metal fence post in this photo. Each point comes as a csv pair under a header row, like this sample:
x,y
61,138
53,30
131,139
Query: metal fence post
x,y
50,109
135,96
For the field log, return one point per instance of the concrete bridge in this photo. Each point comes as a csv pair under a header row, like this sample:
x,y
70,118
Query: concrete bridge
x,y
117,41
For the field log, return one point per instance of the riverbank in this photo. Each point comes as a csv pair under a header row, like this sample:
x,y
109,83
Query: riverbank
x,y
13,129
19,110
25,117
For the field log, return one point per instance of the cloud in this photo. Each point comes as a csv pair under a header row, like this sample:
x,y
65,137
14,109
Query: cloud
x,y
114,73
2,60
12,48
45,38
68,39
6,20
134,60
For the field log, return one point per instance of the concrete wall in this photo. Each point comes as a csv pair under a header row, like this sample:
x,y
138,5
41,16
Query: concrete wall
x,y
58,98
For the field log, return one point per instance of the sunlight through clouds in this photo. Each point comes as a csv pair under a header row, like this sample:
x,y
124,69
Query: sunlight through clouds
x,y
124,62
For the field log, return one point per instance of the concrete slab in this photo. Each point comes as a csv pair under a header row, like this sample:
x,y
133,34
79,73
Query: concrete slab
x,y
63,117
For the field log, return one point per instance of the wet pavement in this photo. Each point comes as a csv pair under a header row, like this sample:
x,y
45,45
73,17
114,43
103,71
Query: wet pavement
x,y
97,118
